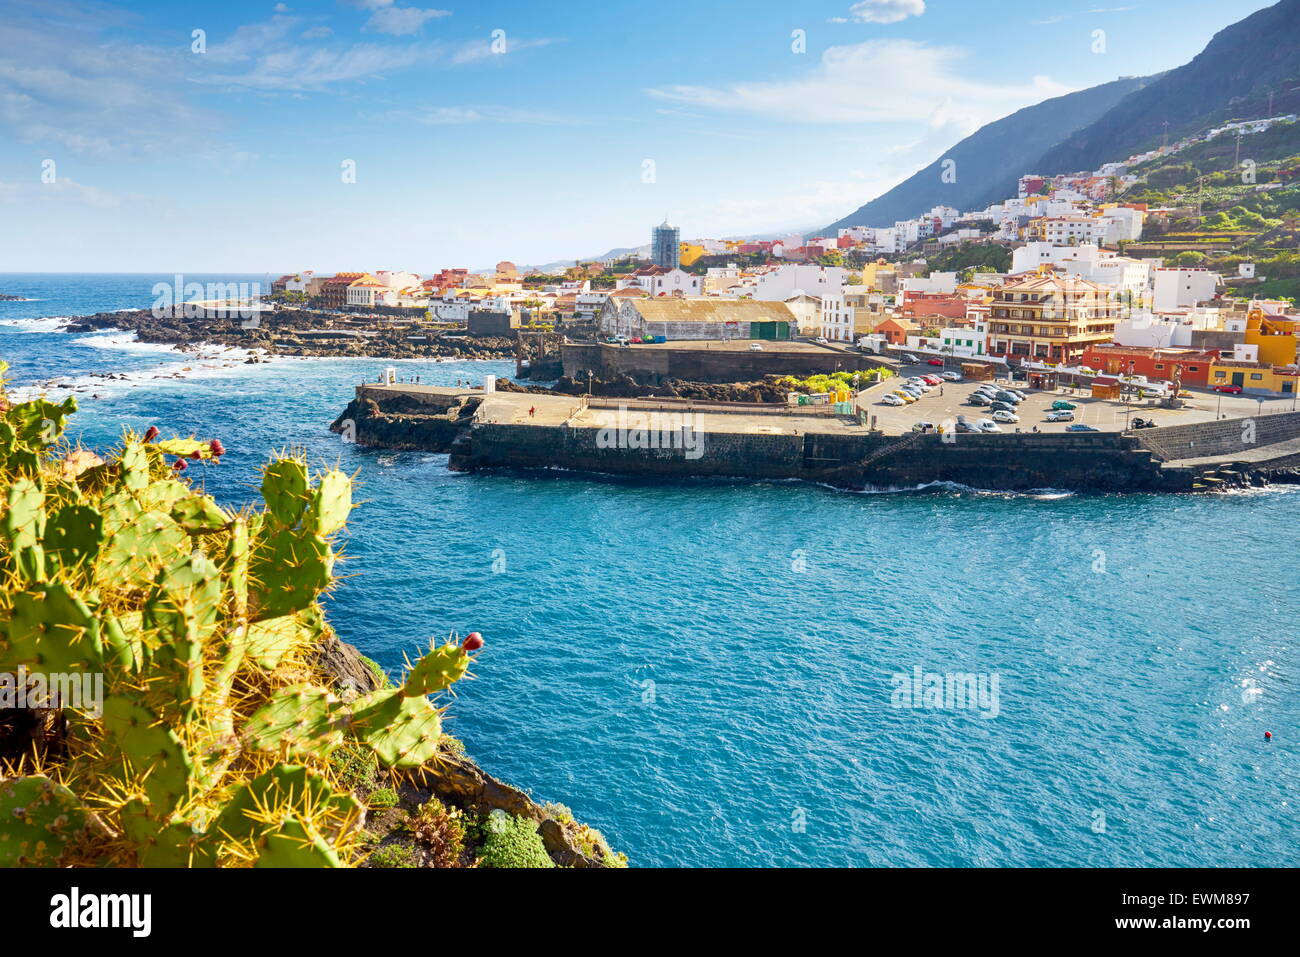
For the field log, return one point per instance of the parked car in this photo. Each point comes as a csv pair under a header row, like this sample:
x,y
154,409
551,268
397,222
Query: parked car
x,y
1228,389
822,340
1060,405
1003,395
1060,415
977,398
1143,423
934,362
932,379
997,405
1002,415
967,427
923,427
988,389
988,425
908,357
892,399
1022,395
1080,427
907,397
951,376
1151,394
756,347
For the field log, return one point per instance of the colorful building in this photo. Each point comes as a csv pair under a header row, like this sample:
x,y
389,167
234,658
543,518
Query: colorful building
x,y
1257,377
1050,318
1192,365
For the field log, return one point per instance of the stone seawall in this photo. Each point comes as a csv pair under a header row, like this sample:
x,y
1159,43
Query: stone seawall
x,y
1227,437
1104,462
734,440
648,364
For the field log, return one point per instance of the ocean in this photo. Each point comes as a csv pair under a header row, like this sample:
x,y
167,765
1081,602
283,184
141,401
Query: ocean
x,y
726,673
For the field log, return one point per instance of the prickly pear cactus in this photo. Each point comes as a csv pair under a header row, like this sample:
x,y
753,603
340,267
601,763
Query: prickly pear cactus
x,y
212,743
38,820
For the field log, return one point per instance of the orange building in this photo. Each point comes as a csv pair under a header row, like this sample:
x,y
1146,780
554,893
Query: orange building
x,y
1192,365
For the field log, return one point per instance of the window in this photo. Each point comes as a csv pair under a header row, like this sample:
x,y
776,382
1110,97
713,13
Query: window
x,y
1256,375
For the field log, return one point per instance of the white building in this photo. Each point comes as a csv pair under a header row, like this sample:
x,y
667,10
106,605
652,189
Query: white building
x,y
937,283
781,282
807,313
1179,287
837,319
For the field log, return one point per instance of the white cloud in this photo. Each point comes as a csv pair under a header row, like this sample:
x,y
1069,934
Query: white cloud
x,y
86,94
400,21
62,189
875,82
460,115
885,11
483,50
817,202
387,17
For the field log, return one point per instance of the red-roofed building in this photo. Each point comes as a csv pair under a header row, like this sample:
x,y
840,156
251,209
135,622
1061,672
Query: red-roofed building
x,y
334,290
1193,364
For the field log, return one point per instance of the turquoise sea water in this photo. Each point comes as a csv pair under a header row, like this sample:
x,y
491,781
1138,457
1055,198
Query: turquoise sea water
x,y
703,670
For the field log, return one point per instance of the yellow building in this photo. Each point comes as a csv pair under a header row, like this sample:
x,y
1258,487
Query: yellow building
x,y
877,274
1254,376
691,253
1275,336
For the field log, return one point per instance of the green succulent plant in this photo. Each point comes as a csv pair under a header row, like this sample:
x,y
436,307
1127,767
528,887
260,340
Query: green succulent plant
x,y
213,743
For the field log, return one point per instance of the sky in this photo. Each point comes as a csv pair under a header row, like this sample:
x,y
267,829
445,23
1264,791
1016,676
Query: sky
x,y
385,134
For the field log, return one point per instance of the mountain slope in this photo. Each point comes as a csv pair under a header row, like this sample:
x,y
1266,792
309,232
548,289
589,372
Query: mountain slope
x,y
1230,79
991,160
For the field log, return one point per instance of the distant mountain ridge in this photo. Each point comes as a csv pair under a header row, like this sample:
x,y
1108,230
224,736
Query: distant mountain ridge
x,y
1232,78
990,161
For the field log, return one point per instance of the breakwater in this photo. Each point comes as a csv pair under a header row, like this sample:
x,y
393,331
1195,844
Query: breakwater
x,y
668,439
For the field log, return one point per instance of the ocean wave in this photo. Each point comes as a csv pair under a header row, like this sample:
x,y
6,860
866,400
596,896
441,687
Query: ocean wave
x,y
40,324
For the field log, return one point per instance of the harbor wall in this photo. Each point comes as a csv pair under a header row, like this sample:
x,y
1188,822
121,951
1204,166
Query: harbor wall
x,y
648,364
1226,437
1104,461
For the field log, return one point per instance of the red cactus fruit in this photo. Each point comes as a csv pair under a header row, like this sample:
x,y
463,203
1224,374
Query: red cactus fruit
x,y
179,465
473,642
151,434
217,448
196,455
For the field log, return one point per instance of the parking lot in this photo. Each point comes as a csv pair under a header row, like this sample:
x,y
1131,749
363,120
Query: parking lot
x,y
946,402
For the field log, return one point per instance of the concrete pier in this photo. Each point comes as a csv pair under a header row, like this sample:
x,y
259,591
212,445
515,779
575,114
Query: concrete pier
x,y
646,437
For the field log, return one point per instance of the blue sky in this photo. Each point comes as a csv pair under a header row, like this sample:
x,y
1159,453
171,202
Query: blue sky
x,y
231,159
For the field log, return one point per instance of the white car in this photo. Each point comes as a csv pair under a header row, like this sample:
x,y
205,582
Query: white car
x,y
755,347
950,376
892,399
988,425
821,339
1002,415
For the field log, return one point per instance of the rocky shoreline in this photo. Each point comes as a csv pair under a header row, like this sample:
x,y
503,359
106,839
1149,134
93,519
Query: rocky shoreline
x,y
302,333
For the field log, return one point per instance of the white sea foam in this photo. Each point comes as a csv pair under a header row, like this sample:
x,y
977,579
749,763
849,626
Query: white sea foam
x,y
203,362
41,324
